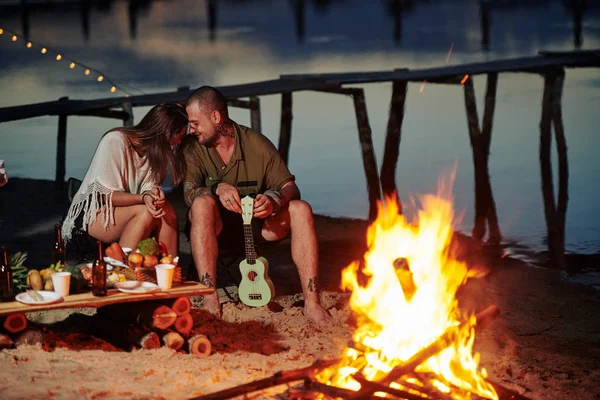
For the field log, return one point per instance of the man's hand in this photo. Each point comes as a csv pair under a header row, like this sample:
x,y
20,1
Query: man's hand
x,y
229,197
264,206
150,197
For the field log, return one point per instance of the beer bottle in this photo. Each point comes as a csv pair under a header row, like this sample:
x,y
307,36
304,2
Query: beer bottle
x,y
58,253
6,284
99,273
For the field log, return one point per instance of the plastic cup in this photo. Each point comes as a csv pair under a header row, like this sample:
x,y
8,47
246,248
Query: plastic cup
x,y
62,283
164,275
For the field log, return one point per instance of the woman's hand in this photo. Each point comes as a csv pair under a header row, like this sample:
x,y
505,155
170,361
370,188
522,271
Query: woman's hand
x,y
229,197
151,198
159,197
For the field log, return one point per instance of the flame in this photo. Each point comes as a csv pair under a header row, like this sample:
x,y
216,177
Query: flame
x,y
406,306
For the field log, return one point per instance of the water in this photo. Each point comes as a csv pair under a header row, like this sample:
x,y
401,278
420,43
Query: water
x,y
172,45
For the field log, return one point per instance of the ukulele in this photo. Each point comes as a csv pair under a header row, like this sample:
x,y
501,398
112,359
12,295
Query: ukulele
x,y
256,288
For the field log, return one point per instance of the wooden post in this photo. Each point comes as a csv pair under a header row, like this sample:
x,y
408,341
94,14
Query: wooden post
x,y
485,207
392,141
555,216
61,149
255,114
368,154
285,130
128,108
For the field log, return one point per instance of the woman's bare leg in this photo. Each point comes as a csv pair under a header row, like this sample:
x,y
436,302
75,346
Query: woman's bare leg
x,y
132,224
168,231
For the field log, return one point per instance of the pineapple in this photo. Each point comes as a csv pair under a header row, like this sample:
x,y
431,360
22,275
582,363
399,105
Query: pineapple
x,y
19,271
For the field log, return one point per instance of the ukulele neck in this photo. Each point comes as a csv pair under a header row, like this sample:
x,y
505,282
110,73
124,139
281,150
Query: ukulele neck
x,y
249,244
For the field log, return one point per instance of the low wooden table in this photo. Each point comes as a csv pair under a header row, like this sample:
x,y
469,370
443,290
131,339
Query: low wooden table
x,y
114,296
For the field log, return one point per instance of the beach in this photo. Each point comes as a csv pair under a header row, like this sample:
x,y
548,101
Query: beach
x,y
543,345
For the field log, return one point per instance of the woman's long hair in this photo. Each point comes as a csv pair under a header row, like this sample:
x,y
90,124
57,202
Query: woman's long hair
x,y
150,138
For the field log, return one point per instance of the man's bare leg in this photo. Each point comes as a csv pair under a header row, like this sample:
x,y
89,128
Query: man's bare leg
x,y
297,217
206,225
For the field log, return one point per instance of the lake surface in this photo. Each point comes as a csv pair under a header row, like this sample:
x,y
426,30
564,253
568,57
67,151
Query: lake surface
x,y
158,46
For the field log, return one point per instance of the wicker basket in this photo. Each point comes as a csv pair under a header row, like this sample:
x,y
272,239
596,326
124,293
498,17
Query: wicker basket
x,y
149,275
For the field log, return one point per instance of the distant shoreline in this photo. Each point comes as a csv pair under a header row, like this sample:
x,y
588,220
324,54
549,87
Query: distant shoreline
x,y
31,208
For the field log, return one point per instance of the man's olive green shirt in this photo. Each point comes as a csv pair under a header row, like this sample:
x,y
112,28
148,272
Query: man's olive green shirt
x,y
255,165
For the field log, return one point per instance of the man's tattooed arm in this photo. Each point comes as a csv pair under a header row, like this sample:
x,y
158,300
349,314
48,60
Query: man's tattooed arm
x,y
191,190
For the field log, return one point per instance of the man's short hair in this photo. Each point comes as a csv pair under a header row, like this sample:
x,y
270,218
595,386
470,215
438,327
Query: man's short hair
x,y
209,98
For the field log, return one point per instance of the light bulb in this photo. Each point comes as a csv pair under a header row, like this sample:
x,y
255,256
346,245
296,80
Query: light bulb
x,y
113,89
1,31
126,95
14,38
43,50
58,57
72,65
29,45
100,78
87,71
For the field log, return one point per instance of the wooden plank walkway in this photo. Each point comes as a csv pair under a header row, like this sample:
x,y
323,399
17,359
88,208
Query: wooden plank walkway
x,y
91,107
544,61
114,297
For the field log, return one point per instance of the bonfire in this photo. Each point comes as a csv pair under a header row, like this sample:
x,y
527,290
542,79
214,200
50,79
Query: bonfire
x,y
410,334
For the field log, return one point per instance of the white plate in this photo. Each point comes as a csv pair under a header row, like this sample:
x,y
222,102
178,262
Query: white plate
x,y
144,287
90,265
49,298
114,263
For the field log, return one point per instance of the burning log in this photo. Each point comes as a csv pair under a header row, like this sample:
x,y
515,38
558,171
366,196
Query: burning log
x,y
332,391
484,318
173,340
378,387
30,336
278,378
184,324
199,345
5,341
15,323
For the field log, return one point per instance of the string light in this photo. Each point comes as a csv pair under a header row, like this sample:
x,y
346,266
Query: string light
x,y
100,77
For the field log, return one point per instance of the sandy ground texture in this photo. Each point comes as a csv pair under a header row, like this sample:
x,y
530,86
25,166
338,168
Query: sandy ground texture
x,y
544,345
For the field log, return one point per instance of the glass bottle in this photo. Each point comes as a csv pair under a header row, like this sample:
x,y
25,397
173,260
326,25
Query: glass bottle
x,y
99,272
6,284
58,253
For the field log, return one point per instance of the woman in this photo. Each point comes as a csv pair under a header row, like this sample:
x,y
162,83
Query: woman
x,y
120,198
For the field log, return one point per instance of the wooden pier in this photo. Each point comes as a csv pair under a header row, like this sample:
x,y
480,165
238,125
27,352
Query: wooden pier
x,y
549,65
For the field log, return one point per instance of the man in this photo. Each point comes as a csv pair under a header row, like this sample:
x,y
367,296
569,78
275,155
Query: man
x,y
227,162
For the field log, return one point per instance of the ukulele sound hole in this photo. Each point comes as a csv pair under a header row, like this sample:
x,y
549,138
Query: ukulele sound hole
x,y
252,275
